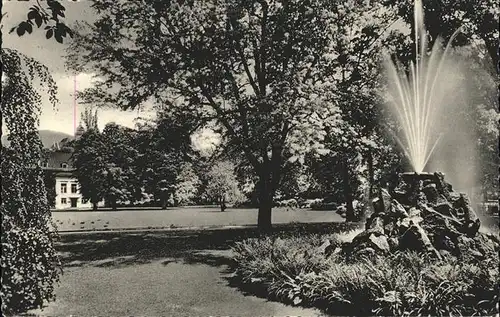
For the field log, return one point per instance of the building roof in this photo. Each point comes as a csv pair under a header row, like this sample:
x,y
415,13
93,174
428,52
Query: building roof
x,y
59,160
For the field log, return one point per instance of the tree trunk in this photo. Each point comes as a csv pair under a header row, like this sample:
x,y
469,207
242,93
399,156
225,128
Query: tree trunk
x,y
266,194
113,204
223,203
350,216
163,203
94,206
264,218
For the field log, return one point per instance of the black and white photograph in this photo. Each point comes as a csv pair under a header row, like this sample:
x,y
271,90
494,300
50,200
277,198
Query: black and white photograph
x,y
250,158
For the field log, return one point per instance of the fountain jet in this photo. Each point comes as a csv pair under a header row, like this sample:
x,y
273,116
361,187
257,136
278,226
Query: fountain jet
x,y
417,96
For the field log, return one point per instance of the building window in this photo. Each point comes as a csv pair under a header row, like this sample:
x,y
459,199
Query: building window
x,y
64,165
64,188
63,201
74,188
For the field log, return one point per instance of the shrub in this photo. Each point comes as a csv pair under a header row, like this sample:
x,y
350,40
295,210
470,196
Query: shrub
x,y
29,262
320,206
292,270
288,203
28,270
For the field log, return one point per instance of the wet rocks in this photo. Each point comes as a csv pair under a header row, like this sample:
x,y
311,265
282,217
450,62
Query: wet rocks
x,y
422,214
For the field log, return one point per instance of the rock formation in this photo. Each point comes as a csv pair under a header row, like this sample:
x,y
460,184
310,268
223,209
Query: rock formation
x,y
423,214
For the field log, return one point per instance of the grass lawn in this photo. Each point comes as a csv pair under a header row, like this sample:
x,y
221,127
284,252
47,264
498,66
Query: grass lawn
x,y
181,217
161,273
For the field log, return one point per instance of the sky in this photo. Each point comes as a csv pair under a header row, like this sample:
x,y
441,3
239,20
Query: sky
x,y
51,54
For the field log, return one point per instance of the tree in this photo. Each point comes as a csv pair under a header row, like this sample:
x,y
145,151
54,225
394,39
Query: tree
x,y
115,186
261,69
121,154
29,260
163,149
90,119
90,162
222,184
49,180
186,185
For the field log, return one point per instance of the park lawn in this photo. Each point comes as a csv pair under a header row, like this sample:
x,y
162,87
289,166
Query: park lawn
x,y
180,218
161,288
160,273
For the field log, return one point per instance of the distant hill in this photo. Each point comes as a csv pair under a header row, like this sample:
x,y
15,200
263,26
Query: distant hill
x,y
48,137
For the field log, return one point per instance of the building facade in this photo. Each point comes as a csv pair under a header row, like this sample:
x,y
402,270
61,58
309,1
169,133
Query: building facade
x,y
67,188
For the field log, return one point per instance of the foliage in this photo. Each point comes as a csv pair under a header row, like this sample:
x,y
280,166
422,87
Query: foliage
x,y
89,160
222,184
277,49
120,156
478,20
115,186
186,185
51,16
163,151
404,284
49,180
482,111
90,119
29,261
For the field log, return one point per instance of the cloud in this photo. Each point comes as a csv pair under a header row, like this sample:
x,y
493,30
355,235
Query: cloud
x,y
52,54
67,115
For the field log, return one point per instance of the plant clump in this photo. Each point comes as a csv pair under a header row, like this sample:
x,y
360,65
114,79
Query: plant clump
x,y
295,270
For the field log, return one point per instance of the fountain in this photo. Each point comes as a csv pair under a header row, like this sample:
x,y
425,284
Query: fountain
x,y
423,213
418,97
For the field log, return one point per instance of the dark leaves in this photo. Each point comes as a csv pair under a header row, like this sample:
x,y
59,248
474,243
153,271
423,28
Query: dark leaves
x,y
49,33
49,16
58,37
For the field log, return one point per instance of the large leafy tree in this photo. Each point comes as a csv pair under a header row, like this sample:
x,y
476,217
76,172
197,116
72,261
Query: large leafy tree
x,y
29,262
186,185
262,69
115,187
222,186
90,162
122,156
163,149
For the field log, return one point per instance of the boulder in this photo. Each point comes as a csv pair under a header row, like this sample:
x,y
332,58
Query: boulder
x,y
422,214
375,223
379,243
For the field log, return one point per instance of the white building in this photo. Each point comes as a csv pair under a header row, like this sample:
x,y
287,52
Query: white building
x,y
67,188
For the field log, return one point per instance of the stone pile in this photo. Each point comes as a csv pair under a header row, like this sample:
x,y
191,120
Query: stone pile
x,y
422,214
